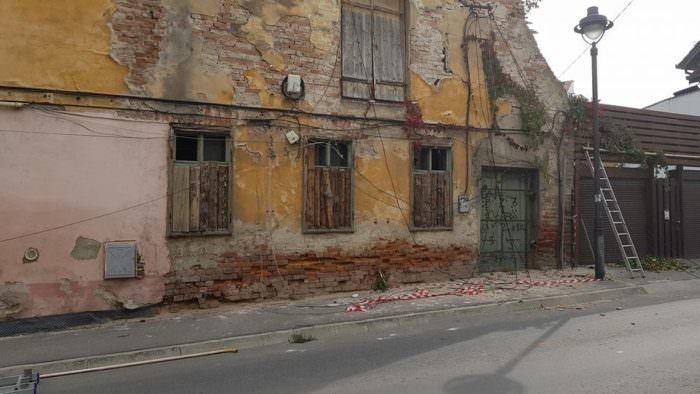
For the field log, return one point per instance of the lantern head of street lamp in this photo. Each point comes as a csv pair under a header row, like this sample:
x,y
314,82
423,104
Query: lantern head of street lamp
x,y
593,26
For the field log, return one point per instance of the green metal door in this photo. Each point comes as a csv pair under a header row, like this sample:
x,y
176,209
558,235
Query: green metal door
x,y
507,199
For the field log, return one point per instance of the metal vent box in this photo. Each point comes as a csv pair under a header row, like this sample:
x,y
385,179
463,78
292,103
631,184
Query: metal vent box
x,y
120,259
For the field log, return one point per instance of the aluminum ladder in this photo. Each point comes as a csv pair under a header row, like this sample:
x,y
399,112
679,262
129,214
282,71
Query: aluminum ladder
x,y
617,221
26,383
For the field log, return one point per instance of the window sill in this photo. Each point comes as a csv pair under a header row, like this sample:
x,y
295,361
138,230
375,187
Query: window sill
x,y
430,229
380,102
201,234
327,231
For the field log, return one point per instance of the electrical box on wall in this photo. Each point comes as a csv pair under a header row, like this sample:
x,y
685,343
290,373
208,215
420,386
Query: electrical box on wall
x,y
120,259
293,87
463,204
292,137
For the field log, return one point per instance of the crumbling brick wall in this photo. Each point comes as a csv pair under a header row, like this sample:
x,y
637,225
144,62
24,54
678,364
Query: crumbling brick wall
x,y
221,63
267,275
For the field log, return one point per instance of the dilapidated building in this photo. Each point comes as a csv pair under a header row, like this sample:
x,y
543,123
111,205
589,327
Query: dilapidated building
x,y
175,150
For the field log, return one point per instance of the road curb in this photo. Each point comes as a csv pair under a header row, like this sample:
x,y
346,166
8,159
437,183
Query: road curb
x,y
318,331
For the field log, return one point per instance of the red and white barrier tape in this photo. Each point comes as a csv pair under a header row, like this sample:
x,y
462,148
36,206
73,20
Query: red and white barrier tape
x,y
474,289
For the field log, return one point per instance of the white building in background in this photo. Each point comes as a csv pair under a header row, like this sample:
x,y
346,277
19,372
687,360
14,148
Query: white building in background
x,y
686,101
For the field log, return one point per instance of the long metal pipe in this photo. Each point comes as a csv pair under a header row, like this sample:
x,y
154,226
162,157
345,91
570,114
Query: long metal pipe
x,y
137,363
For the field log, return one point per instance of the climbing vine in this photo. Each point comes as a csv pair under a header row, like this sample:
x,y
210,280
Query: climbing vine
x,y
531,5
532,110
614,136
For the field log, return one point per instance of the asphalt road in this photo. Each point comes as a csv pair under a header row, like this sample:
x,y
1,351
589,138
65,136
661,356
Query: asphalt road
x,y
651,345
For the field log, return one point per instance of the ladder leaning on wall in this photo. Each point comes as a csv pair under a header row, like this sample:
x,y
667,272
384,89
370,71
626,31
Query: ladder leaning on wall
x,y
617,221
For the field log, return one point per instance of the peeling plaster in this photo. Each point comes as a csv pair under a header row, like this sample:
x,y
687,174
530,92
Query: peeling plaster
x,y
42,40
14,298
322,15
85,249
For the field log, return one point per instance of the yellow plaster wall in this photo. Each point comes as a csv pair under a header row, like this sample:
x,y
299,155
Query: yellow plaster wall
x,y
268,183
370,202
62,44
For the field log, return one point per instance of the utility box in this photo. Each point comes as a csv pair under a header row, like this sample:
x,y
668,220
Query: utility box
x,y
120,259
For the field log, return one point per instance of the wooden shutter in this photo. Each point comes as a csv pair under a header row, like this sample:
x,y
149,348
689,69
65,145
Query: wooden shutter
x,y
389,58
327,195
432,200
199,198
357,52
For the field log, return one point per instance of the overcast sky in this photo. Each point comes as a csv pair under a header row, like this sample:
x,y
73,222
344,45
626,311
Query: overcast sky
x,y
637,57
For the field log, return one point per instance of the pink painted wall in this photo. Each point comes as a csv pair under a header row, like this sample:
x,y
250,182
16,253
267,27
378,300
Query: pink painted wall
x,y
48,180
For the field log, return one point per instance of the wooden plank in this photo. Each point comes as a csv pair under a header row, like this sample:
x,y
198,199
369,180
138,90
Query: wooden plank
x,y
204,224
358,90
433,200
347,198
335,187
309,182
309,187
447,200
317,198
328,198
213,196
194,198
388,56
654,217
180,199
417,200
650,116
389,5
223,190
356,27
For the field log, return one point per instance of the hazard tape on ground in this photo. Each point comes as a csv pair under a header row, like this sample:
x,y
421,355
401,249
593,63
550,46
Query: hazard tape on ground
x,y
471,290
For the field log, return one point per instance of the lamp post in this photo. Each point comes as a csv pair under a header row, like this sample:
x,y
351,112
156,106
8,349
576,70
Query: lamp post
x,y
592,28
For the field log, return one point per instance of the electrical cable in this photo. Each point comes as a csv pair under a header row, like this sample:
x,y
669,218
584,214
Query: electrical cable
x,y
141,204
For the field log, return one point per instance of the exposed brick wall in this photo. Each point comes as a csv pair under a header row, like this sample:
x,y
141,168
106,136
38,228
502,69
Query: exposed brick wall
x,y
227,48
137,31
251,277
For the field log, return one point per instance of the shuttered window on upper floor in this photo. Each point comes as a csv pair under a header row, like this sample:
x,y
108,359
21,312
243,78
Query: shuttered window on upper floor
x,y
373,50
200,174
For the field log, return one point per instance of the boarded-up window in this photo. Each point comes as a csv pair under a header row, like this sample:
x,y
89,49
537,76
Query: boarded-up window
x,y
327,186
200,183
432,191
373,50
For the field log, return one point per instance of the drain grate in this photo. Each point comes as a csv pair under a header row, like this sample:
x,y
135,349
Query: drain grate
x,y
62,322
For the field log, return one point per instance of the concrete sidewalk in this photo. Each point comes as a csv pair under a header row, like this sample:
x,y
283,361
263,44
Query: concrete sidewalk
x,y
237,325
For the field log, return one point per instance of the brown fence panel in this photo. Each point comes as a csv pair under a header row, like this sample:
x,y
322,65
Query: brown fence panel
x,y
676,135
690,197
633,193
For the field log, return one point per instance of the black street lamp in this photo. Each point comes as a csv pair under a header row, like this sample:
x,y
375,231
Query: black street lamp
x,y
592,28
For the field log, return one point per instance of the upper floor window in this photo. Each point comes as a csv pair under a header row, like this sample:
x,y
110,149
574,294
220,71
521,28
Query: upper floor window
x,y
374,50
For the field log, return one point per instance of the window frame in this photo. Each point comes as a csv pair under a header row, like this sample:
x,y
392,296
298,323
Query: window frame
x,y
308,141
201,132
449,208
403,18
201,135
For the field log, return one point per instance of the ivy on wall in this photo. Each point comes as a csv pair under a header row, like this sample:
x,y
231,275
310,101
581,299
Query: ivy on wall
x,y
532,110
614,136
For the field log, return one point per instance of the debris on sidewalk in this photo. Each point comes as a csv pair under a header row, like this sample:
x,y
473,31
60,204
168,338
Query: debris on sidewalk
x,y
496,283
